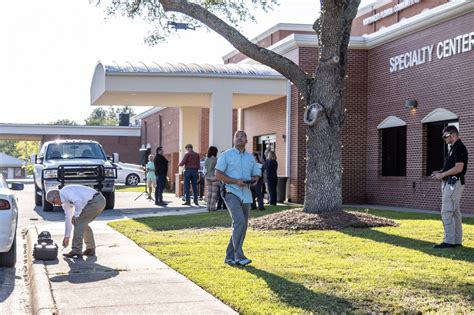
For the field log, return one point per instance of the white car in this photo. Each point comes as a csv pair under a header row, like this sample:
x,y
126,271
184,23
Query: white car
x,y
130,174
8,222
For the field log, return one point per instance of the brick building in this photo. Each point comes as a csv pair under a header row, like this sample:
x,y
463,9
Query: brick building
x,y
410,73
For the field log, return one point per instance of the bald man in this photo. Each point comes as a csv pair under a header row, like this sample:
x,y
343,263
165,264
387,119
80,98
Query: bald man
x,y
81,206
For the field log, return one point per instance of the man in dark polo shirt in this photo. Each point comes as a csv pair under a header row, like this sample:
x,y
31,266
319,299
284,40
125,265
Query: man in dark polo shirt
x,y
191,163
452,186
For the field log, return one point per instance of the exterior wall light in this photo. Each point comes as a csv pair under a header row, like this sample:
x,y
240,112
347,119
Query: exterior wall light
x,y
411,104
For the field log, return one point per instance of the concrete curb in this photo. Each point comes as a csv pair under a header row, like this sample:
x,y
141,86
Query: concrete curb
x,y
42,301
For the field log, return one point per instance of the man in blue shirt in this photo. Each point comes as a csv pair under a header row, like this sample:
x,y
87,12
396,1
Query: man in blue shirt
x,y
238,170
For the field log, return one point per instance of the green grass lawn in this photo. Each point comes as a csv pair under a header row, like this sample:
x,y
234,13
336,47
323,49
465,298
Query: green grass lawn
x,y
391,269
124,188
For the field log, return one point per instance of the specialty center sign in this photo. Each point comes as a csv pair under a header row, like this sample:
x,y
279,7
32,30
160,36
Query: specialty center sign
x,y
443,49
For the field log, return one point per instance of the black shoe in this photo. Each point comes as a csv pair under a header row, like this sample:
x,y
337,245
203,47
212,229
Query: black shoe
x,y
253,208
186,204
196,203
243,262
262,208
72,254
230,262
444,245
458,245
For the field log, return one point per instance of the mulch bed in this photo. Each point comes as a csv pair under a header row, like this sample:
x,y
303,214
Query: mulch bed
x,y
296,219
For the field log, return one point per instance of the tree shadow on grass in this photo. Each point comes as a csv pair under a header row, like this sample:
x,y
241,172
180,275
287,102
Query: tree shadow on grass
x,y
458,253
462,290
406,215
297,295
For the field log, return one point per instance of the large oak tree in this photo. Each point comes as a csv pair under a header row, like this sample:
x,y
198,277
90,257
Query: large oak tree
x,y
322,92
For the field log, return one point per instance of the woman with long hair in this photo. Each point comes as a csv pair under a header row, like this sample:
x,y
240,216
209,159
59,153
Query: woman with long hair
x,y
212,184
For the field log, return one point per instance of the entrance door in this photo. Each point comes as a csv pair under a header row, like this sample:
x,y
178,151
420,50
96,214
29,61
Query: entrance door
x,y
266,143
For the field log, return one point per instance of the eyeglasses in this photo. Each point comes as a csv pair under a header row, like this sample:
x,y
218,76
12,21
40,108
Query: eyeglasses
x,y
446,135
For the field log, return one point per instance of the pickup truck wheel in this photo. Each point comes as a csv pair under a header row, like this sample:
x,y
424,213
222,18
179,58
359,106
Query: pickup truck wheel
x,y
109,199
38,196
47,207
132,180
8,259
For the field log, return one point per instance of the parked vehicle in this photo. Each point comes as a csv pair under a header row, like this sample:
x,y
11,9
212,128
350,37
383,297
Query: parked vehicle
x,y
64,162
8,222
130,174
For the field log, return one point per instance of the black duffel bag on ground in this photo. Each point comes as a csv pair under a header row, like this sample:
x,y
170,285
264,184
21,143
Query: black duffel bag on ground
x,y
45,248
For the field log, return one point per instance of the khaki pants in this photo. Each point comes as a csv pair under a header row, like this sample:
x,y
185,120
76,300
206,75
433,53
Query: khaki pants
x,y
451,212
82,230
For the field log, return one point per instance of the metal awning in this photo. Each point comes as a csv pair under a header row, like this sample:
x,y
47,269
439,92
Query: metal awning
x,y
183,85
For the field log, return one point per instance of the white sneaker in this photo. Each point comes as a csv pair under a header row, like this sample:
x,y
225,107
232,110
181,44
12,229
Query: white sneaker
x,y
230,262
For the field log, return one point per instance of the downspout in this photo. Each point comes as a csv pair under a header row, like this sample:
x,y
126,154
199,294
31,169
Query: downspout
x,y
288,137
145,125
160,126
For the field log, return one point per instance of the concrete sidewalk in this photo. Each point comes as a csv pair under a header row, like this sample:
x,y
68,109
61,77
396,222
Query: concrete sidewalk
x,y
122,279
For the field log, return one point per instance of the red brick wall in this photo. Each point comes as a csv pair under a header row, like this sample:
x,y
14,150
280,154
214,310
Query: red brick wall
x,y
298,146
126,147
169,132
266,42
354,132
445,83
169,136
264,119
358,28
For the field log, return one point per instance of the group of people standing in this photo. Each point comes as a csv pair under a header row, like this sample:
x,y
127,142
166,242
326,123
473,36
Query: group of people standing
x,y
235,179
156,172
214,187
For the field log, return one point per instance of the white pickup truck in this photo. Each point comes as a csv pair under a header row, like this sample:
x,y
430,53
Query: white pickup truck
x,y
64,162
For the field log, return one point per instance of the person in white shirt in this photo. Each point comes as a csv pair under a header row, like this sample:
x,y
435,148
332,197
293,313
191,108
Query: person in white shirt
x,y
81,205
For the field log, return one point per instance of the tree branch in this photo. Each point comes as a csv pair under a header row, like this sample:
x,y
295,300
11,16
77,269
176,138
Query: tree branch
x,y
283,65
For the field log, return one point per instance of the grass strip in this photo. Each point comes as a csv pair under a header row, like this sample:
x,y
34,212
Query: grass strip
x,y
389,269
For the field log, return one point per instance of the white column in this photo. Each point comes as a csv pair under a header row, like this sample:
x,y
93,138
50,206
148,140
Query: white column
x,y
240,119
220,120
188,129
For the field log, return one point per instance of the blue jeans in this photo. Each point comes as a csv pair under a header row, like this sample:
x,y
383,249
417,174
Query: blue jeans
x,y
160,187
190,175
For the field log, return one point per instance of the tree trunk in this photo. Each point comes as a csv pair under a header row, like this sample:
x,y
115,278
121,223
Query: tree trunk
x,y
323,92
323,169
324,144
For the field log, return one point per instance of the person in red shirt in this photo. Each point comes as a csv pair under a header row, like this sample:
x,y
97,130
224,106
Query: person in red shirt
x,y
191,162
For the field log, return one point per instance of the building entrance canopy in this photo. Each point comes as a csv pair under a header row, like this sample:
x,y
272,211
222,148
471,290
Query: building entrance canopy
x,y
220,88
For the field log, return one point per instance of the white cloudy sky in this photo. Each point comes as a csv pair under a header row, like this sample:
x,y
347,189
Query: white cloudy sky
x,y
50,48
